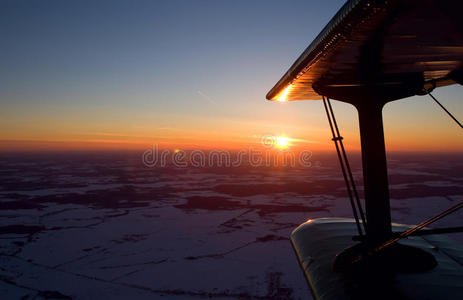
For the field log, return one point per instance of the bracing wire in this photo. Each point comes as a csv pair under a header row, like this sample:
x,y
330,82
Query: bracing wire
x,y
420,226
345,167
346,161
413,230
449,113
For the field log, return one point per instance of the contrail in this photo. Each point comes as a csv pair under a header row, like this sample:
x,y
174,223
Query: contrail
x,y
206,97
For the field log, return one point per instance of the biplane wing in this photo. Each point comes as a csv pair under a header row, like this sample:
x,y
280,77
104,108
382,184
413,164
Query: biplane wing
x,y
385,50
330,235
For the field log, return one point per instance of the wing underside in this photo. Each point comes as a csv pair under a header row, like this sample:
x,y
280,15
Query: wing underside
x,y
384,50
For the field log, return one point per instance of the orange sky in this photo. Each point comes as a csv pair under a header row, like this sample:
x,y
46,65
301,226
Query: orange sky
x,y
405,129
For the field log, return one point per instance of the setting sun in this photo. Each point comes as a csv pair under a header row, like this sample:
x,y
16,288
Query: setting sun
x,y
281,142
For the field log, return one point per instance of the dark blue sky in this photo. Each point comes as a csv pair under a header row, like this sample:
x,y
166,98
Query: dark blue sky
x,y
51,47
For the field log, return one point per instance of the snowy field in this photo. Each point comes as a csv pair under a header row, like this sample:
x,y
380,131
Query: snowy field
x,y
104,226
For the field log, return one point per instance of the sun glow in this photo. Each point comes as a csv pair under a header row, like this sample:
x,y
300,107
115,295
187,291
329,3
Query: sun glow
x,y
284,94
281,142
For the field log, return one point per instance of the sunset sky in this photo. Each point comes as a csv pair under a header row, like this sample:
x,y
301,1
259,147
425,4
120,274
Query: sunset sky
x,y
128,74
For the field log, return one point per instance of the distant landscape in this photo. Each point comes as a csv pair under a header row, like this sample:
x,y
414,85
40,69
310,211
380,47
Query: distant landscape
x,y
81,225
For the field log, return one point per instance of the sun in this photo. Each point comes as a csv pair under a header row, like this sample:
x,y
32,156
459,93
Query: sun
x,y
281,142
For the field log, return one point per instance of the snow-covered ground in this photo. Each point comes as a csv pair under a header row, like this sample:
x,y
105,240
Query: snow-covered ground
x,y
95,226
